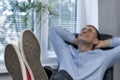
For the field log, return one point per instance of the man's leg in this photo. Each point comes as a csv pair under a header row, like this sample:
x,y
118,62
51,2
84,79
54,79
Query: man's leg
x,y
30,51
61,75
54,74
14,63
49,71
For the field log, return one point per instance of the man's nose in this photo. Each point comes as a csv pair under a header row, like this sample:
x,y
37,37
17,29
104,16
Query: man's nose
x,y
85,31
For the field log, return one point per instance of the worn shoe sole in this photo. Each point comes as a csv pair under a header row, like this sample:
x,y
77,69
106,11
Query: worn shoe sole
x,y
30,50
14,63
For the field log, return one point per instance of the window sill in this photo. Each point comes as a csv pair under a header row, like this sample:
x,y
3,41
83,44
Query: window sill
x,y
51,60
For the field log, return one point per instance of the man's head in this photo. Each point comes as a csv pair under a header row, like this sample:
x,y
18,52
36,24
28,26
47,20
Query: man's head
x,y
89,34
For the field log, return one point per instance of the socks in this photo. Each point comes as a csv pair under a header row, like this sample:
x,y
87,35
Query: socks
x,y
28,74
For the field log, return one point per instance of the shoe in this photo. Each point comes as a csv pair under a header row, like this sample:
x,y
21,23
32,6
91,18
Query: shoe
x,y
14,63
30,51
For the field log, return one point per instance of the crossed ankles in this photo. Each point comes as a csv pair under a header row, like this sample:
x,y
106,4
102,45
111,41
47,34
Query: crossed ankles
x,y
25,64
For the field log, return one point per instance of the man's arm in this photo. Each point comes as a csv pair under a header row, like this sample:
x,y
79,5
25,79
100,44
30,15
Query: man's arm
x,y
103,43
112,56
113,42
64,34
58,36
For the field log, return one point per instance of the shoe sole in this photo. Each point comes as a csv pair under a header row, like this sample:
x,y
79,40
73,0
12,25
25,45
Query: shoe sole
x,y
14,63
30,50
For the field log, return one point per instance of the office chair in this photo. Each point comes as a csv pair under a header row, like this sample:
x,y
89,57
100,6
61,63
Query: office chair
x,y
109,72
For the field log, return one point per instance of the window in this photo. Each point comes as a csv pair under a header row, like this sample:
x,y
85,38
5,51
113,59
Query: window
x,y
9,30
65,17
70,14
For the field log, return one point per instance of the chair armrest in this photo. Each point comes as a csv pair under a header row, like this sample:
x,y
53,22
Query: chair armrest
x,y
108,74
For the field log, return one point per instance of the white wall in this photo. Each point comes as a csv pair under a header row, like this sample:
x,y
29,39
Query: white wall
x,y
87,11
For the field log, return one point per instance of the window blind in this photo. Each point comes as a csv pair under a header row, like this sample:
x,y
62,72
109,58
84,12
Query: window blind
x,y
65,15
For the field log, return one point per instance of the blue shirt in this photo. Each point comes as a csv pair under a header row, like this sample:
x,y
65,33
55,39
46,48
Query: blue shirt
x,y
89,65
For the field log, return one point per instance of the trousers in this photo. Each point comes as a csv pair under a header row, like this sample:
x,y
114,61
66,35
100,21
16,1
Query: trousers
x,y
57,75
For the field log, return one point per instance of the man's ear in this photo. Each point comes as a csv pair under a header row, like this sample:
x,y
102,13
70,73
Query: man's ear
x,y
96,41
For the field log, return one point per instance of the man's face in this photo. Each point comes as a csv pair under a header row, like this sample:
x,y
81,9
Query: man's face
x,y
88,34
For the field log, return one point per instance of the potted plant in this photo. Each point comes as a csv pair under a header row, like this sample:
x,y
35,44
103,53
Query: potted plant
x,y
28,8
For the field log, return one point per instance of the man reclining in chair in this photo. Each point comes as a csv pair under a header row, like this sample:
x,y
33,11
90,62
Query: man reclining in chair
x,y
88,62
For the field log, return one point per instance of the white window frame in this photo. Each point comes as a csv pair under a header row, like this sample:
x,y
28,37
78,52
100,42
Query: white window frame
x,y
85,15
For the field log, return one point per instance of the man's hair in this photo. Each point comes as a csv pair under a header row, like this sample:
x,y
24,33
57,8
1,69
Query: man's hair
x,y
98,34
